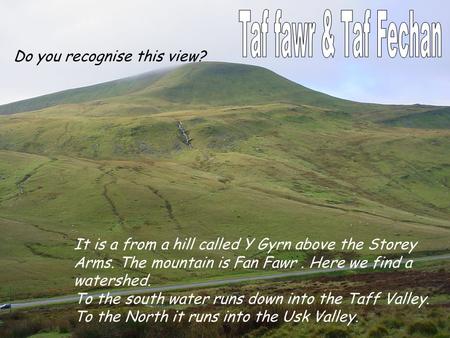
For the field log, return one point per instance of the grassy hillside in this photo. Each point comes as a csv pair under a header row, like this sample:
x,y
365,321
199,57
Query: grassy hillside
x,y
269,158
84,94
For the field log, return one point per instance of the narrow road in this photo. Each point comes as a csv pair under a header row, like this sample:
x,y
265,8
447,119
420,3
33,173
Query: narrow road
x,y
195,285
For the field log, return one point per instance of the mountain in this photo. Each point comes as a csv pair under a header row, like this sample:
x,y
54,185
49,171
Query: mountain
x,y
213,84
210,83
268,158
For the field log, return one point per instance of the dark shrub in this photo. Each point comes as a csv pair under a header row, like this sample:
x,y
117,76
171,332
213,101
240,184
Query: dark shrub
x,y
393,323
425,327
378,332
336,333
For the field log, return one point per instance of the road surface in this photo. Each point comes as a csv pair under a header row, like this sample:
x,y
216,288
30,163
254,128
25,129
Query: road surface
x,y
211,283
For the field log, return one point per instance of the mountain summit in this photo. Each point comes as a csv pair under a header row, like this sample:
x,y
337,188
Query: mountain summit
x,y
216,83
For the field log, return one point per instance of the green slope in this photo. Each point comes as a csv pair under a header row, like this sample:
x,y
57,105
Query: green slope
x,y
269,158
84,94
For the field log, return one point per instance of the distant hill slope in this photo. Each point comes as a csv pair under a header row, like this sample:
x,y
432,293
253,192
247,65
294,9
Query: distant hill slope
x,y
433,119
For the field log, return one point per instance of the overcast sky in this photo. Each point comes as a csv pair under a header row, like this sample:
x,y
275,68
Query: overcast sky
x,y
107,25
